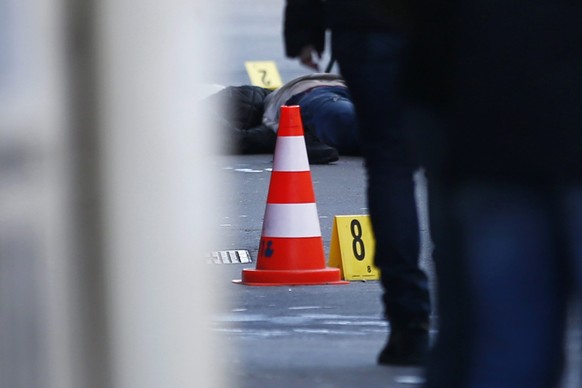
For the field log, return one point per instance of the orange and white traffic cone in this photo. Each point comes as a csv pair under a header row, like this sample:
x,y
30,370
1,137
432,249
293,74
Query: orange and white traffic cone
x,y
291,248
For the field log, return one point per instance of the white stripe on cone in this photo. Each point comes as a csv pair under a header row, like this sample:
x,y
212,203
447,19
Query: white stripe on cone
x,y
290,154
291,220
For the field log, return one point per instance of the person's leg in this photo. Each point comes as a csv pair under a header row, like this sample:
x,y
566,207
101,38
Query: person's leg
x,y
328,111
372,72
318,151
572,222
516,284
447,366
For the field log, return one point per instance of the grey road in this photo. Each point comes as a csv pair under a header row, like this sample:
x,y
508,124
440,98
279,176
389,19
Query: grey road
x,y
251,30
300,336
308,336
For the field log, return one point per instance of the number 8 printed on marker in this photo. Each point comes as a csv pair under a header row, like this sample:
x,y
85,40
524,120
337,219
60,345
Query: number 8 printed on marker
x,y
357,243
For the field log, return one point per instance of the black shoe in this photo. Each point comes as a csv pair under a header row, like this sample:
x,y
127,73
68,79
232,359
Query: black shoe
x,y
318,152
406,347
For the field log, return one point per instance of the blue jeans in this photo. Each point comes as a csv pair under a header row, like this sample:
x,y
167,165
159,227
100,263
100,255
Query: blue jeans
x,y
328,111
522,255
370,63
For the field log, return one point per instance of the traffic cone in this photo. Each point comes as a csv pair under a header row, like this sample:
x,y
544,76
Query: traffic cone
x,y
291,248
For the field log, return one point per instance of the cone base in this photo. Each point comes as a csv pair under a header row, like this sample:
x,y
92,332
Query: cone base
x,y
326,276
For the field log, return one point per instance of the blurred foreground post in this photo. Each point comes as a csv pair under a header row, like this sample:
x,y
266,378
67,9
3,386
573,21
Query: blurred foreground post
x,y
102,206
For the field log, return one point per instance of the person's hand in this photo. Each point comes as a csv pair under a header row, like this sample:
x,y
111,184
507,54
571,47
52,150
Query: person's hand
x,y
310,57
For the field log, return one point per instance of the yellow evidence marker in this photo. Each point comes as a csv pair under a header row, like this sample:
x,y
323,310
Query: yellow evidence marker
x,y
352,247
264,74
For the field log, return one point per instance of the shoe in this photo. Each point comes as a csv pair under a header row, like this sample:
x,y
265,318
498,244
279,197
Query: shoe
x,y
317,151
406,347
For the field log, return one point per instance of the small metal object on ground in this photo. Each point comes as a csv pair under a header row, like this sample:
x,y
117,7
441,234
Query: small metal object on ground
x,y
412,380
241,256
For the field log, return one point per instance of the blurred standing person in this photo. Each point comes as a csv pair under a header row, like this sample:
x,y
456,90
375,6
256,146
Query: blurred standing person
x,y
368,41
510,178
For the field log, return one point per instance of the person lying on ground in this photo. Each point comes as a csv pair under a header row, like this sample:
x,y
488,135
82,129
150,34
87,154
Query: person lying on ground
x,y
249,116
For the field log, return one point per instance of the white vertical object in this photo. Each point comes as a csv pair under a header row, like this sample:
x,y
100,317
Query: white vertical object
x,y
158,187
38,332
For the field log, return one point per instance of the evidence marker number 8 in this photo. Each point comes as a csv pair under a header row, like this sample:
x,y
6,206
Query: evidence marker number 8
x,y
352,247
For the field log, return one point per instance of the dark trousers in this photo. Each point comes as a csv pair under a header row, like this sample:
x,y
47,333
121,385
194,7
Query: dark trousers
x,y
370,63
329,112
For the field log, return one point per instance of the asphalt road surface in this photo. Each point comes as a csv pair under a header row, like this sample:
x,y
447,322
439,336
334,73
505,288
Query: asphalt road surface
x,y
301,336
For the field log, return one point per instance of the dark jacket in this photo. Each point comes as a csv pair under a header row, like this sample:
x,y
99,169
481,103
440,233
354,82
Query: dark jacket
x,y
307,20
514,89
519,90
237,111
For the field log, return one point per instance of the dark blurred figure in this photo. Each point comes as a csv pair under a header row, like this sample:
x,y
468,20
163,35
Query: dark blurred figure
x,y
369,38
503,153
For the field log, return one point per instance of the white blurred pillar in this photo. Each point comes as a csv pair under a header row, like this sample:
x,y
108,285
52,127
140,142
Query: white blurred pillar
x,y
158,184
106,185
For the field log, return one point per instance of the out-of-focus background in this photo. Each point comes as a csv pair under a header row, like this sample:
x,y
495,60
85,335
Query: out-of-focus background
x,y
252,30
